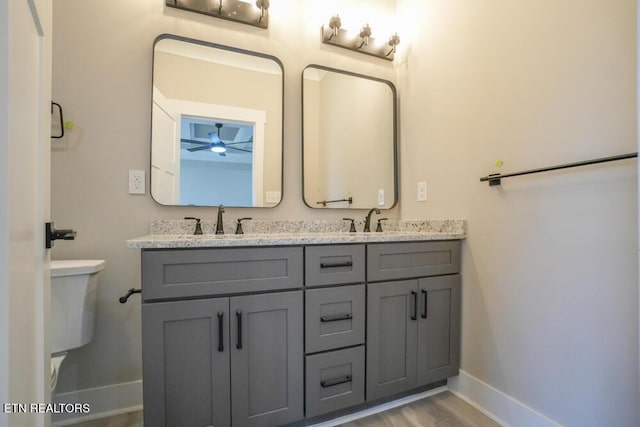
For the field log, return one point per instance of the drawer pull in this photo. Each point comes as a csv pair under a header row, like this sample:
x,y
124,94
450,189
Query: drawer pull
x,y
239,337
336,265
336,318
335,381
425,301
414,316
220,332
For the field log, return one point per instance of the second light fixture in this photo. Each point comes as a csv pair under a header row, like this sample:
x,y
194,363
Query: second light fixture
x,y
363,42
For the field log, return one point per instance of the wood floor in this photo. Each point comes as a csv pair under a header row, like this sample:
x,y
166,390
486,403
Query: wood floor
x,y
441,410
132,419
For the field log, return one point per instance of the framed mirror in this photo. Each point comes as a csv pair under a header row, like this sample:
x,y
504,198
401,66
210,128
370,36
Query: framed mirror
x,y
216,125
349,140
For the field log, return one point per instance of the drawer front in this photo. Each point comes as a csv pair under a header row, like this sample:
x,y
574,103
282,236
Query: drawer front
x,y
334,317
201,272
335,381
389,261
333,265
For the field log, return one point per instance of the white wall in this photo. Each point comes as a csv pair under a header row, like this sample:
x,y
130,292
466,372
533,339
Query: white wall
x,y
205,183
102,78
550,267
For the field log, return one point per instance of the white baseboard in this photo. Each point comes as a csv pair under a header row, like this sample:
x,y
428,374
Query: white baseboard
x,y
104,402
502,408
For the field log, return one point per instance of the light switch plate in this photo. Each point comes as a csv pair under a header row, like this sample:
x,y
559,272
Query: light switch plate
x,y
422,191
381,197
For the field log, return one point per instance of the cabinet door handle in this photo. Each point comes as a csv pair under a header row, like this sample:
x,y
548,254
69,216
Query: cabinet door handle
x,y
335,381
336,265
335,318
414,316
239,338
425,300
220,332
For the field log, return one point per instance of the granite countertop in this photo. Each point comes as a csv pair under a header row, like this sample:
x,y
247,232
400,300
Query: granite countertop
x,y
176,234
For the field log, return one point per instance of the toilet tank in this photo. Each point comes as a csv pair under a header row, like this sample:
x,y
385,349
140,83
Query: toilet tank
x,y
74,288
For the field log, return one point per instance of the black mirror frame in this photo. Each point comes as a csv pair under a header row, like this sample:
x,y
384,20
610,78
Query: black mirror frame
x,y
231,49
395,130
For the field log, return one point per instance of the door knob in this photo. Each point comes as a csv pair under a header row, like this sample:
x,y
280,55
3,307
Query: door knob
x,y
51,234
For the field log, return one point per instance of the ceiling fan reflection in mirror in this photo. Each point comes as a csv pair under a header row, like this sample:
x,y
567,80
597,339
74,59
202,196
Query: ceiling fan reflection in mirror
x,y
218,141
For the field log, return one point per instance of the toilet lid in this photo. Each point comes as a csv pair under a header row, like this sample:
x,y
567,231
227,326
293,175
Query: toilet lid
x,y
60,268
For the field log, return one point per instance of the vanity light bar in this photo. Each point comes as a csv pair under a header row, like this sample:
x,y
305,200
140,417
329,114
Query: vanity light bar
x,y
232,10
363,42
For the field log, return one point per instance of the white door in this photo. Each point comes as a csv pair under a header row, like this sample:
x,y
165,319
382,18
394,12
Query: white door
x,y
25,115
165,157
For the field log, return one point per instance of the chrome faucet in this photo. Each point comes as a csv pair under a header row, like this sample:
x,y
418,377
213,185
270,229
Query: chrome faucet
x,y
367,220
219,225
198,229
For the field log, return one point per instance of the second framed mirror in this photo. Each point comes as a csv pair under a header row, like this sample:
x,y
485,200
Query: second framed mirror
x,y
349,140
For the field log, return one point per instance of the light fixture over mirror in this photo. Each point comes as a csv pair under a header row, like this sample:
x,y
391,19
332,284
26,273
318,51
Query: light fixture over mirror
x,y
363,42
216,135
246,12
349,140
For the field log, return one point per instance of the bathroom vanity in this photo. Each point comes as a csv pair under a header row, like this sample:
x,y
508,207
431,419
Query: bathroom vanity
x,y
274,329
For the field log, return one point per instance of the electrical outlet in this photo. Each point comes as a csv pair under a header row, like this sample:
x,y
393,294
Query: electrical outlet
x,y
136,182
422,191
273,197
381,197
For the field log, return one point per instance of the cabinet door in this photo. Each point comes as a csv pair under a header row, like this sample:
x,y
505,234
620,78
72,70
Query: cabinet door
x,y
391,338
438,328
185,352
267,359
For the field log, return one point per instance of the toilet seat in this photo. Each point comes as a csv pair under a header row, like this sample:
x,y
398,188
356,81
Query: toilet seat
x,y
56,361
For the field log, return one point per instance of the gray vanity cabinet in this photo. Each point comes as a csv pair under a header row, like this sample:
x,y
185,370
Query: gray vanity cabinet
x,y
220,346
192,350
438,328
230,334
413,329
185,350
394,261
391,338
267,359
413,315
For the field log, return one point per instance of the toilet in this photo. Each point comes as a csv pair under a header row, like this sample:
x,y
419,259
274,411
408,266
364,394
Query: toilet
x,y
74,287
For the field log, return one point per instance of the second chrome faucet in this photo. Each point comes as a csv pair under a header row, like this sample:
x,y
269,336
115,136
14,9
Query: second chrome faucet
x,y
219,224
367,220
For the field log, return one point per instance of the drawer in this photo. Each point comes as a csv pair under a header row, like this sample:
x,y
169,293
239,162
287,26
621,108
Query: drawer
x,y
334,317
200,272
389,261
333,265
335,380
